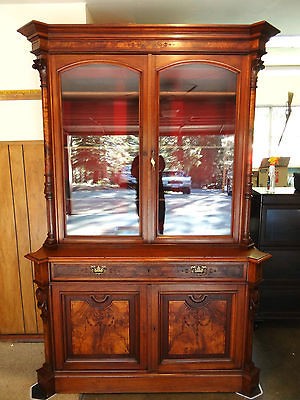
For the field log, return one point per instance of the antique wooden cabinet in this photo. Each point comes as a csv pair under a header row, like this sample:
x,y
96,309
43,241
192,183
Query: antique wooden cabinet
x,y
147,280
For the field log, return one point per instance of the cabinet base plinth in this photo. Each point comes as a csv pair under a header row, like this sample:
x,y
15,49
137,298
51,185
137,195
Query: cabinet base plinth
x,y
85,382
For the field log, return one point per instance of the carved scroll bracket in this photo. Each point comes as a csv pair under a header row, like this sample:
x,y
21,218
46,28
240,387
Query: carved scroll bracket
x,y
42,302
257,65
40,65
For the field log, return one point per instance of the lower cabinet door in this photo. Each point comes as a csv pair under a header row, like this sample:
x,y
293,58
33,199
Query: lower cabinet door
x,y
200,326
164,328
99,325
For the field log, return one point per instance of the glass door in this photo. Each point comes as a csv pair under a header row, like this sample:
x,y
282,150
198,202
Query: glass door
x,y
197,112
101,135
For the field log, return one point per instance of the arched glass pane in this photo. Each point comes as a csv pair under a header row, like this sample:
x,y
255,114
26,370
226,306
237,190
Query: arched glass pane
x,y
196,131
100,105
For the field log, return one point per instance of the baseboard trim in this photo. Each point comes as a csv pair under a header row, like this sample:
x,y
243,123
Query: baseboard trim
x,y
22,338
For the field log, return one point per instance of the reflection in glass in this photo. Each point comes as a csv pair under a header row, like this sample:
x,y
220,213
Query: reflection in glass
x,y
101,138
197,125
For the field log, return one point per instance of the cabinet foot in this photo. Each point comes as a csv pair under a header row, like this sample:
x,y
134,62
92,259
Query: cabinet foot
x,y
257,392
37,393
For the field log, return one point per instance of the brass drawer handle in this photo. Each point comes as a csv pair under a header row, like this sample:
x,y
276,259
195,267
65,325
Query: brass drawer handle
x,y
98,269
199,269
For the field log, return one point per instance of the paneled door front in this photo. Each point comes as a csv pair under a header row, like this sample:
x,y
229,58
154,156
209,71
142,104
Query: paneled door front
x,y
101,326
199,326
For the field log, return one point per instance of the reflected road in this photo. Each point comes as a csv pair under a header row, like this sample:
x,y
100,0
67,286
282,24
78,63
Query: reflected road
x,y
113,212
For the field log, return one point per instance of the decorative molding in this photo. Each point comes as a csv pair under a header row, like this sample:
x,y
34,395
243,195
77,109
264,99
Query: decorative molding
x,y
257,65
42,302
40,65
30,94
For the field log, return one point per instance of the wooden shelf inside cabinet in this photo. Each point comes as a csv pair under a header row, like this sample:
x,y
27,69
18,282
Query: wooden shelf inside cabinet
x,y
197,94
100,95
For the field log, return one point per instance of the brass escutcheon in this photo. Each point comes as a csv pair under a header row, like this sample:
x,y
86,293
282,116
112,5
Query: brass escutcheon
x,y
98,269
199,269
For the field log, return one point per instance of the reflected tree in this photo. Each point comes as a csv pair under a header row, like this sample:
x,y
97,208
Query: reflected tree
x,y
96,158
207,157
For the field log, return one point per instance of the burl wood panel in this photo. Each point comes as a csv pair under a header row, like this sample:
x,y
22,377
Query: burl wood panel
x,y
23,229
197,325
100,326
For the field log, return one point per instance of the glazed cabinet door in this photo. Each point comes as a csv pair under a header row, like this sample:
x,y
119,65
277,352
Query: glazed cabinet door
x,y
198,127
99,125
99,326
140,137
200,326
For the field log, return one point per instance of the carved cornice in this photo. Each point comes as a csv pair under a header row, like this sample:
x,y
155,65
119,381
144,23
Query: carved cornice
x,y
137,38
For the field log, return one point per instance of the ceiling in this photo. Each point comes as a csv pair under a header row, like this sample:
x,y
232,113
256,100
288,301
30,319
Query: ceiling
x,y
284,14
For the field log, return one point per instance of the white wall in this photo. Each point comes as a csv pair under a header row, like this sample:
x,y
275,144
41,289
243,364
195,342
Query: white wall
x,y
22,119
281,74
273,86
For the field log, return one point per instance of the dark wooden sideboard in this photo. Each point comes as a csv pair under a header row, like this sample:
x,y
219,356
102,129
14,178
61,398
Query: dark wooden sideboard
x,y
275,228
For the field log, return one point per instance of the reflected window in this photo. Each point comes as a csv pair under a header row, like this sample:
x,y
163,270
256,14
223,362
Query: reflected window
x,y
196,140
101,138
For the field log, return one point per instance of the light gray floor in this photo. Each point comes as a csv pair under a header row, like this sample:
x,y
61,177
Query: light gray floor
x,y
18,363
276,352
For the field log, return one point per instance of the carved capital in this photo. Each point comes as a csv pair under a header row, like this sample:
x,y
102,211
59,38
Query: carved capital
x,y
40,65
257,65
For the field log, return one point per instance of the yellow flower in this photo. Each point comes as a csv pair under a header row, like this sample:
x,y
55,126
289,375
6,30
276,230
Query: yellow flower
x,y
273,160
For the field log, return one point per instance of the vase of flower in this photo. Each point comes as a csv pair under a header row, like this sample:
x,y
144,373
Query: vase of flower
x,y
272,174
271,179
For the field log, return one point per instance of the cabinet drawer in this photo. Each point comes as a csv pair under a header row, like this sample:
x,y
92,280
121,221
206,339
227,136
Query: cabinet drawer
x,y
151,271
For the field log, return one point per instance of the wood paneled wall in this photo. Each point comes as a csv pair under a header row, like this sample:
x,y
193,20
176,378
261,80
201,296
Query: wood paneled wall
x,y
23,229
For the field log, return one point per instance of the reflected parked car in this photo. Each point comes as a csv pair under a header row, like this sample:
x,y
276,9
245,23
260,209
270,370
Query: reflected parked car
x,y
177,181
